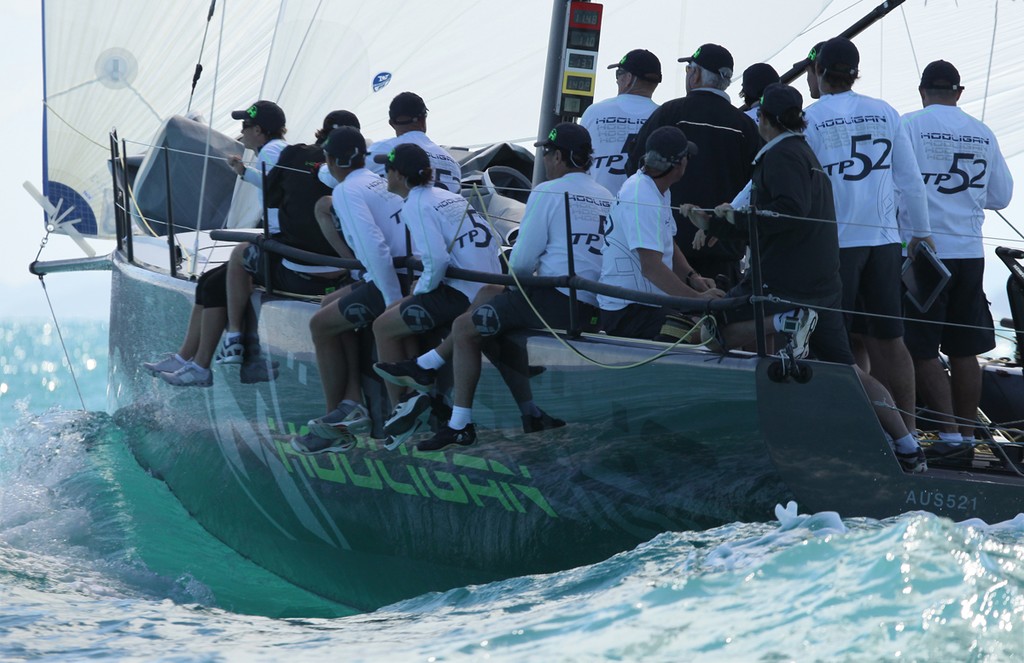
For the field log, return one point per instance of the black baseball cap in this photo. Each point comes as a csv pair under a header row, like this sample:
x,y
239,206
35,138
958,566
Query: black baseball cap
x,y
779,98
642,64
671,144
839,55
407,105
941,75
569,137
714,58
812,55
408,159
340,118
345,144
265,114
757,77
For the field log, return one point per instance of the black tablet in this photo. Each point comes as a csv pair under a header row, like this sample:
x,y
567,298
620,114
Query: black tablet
x,y
924,277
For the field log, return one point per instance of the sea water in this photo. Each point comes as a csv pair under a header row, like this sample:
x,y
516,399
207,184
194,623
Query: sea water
x,y
99,561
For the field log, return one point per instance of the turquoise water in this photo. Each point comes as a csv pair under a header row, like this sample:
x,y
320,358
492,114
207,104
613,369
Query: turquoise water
x,y
98,560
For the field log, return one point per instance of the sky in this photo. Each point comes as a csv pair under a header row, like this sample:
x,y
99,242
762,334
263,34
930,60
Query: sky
x,y
86,295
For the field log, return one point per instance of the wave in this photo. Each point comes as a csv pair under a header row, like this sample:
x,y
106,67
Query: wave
x,y
87,536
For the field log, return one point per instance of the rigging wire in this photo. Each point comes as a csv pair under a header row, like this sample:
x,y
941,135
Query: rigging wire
x,y
199,60
991,57
53,316
209,135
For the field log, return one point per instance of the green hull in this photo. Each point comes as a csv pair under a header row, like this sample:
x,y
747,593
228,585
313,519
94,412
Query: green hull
x,y
690,441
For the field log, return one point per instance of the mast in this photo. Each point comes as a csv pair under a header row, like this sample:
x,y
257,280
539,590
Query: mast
x,y
552,82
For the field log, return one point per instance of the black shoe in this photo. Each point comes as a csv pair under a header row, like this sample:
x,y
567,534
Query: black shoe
x,y
411,409
447,436
914,461
407,374
252,372
545,421
946,453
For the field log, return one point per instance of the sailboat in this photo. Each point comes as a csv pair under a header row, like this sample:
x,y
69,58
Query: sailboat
x,y
684,439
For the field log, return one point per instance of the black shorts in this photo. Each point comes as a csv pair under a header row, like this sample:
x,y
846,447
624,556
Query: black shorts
x,y
509,311
961,302
433,309
284,279
871,284
830,340
636,321
362,305
212,288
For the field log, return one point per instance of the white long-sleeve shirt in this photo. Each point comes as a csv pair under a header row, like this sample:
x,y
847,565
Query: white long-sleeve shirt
x,y
372,227
858,142
446,231
613,125
269,155
964,173
542,246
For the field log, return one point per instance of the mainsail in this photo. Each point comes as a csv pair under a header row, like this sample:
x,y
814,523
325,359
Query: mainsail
x,y
479,65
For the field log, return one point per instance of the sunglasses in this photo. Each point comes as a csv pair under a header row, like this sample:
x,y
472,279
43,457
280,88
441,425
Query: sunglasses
x,y
620,72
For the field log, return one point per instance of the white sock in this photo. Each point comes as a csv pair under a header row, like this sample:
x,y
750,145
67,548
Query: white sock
x,y
430,360
952,438
232,337
461,417
906,444
181,359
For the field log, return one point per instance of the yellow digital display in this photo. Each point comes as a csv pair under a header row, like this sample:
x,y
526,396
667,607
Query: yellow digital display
x,y
578,84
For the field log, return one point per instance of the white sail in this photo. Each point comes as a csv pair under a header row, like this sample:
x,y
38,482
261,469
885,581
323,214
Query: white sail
x,y
478,65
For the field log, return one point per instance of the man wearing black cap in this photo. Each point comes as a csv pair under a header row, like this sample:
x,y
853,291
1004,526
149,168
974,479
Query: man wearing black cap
x,y
858,142
542,248
807,64
728,141
964,174
614,123
799,255
369,220
756,78
639,252
263,128
446,232
407,115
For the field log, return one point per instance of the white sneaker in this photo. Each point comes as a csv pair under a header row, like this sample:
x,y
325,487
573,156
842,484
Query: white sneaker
x,y
229,353
189,375
342,421
169,363
799,324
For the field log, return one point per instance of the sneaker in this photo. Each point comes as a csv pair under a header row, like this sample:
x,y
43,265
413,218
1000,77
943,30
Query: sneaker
x,y
398,439
189,375
166,364
342,421
798,325
229,353
258,371
944,452
311,443
411,408
447,436
914,461
544,422
407,374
